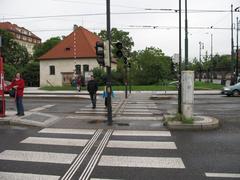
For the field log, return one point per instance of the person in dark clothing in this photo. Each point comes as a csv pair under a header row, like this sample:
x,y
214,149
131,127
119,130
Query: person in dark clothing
x,y
92,88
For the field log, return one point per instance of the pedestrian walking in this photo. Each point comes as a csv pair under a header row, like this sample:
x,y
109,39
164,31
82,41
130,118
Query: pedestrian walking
x,y
78,81
92,88
18,85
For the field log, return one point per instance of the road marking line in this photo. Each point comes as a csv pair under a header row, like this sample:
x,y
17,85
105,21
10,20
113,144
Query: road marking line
x,y
141,162
33,156
42,108
223,175
76,164
26,176
140,133
55,141
142,144
68,131
94,159
103,179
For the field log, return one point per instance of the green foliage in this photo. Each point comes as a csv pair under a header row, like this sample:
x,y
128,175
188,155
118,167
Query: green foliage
x,y
9,71
13,53
30,74
99,75
41,49
150,66
182,118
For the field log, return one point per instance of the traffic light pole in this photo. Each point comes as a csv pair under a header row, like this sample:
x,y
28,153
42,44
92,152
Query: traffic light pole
x,y
126,81
180,61
237,53
232,45
108,84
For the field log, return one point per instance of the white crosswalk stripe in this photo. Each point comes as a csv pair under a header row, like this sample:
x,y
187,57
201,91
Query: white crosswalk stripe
x,y
55,141
138,161
140,133
68,131
141,144
141,162
34,156
222,175
25,176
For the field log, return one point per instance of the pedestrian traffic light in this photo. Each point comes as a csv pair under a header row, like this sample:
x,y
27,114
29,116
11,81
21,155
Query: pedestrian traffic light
x,y
119,47
125,60
100,53
129,65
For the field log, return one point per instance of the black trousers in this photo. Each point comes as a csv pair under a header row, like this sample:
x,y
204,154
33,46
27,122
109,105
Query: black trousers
x,y
93,97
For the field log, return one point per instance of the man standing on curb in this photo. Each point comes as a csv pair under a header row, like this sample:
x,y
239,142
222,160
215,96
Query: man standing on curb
x,y
92,88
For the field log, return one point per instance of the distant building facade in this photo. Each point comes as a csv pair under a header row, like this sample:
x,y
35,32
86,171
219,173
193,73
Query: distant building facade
x,y
21,35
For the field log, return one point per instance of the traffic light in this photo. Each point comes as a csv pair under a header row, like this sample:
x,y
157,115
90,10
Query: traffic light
x,y
119,47
100,53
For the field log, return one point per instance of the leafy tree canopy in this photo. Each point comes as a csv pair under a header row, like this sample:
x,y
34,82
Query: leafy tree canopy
x,y
41,49
13,53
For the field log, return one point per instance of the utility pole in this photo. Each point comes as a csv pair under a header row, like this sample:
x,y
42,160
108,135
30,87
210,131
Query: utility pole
x,y
211,57
237,53
108,84
186,37
126,81
232,45
180,61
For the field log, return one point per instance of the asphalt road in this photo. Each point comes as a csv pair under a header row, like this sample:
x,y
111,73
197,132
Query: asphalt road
x,y
113,152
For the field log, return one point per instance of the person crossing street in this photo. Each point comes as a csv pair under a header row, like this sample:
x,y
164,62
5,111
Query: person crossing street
x,y
92,88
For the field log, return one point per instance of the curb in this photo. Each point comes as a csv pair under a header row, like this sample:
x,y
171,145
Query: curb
x,y
24,121
200,123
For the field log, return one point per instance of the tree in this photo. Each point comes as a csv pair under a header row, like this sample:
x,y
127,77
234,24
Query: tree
x,y
41,49
121,36
150,66
30,74
13,53
9,72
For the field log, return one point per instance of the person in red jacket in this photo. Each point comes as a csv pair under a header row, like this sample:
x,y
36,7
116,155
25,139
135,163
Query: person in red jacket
x,y
18,84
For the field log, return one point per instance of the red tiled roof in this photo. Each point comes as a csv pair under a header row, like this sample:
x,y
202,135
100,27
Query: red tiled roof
x,y
14,28
84,46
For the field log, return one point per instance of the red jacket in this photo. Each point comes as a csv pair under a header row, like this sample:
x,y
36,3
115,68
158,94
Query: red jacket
x,y
20,83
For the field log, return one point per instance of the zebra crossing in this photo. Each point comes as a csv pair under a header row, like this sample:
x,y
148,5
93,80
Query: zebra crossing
x,y
92,155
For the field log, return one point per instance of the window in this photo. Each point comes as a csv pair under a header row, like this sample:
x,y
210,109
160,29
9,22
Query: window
x,y
78,69
67,49
52,70
85,68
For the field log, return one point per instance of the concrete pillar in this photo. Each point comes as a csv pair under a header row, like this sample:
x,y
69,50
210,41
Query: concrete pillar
x,y
187,93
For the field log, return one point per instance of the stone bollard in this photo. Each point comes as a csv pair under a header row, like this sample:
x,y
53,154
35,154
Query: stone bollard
x,y
187,82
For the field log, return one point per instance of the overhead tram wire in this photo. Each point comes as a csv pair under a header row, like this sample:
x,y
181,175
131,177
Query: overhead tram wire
x,y
147,11
132,27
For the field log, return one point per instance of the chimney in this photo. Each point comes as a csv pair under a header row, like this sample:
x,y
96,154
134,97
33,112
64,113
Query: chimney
x,y
75,27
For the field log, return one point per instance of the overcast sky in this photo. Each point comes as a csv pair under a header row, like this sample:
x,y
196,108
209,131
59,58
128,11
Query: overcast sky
x,y
163,38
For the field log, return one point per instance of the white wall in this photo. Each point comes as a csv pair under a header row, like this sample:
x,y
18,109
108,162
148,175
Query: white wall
x,y
63,65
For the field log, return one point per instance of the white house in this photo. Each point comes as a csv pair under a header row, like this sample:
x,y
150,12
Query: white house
x,y
74,55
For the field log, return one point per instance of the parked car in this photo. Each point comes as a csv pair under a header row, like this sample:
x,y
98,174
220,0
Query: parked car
x,y
233,90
